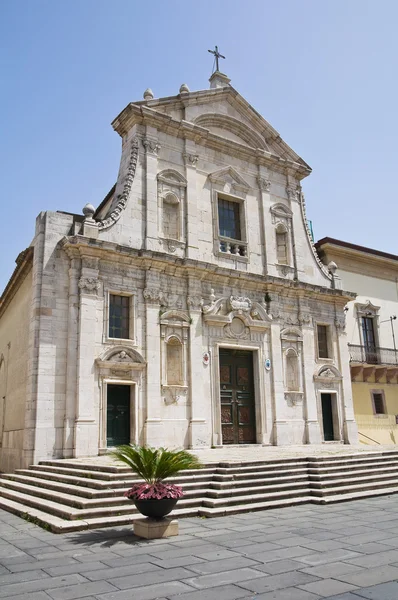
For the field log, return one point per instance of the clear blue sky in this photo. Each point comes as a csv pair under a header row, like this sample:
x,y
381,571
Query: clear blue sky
x,y
322,72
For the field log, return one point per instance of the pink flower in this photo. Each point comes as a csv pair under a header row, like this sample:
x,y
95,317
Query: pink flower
x,y
154,491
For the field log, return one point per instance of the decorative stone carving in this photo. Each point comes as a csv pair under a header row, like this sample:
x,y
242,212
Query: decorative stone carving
x,y
340,324
151,146
292,192
195,302
89,284
240,304
320,264
264,184
122,199
285,270
237,330
153,296
304,318
294,398
191,159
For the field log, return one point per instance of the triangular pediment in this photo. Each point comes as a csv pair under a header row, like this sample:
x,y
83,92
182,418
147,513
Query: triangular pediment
x,y
228,176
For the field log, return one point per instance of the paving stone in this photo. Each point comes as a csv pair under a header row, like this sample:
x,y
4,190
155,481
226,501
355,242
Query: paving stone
x,y
280,566
131,569
375,560
260,548
75,592
369,577
217,554
333,569
149,592
325,557
151,577
41,584
180,561
384,591
218,566
33,596
81,568
370,548
325,587
223,578
291,593
128,560
20,577
276,582
225,592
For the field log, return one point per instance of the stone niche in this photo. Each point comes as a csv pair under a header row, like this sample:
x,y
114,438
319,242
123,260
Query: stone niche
x,y
172,212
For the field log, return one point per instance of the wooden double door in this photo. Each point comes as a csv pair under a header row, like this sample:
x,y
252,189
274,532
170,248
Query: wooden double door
x,y
238,418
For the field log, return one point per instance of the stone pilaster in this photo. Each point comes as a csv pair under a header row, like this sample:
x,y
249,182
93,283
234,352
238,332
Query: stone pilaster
x,y
151,147
312,426
154,425
86,423
199,376
281,423
350,429
71,357
191,159
264,184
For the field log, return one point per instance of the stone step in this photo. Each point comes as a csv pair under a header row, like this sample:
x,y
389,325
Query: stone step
x,y
353,457
264,490
58,525
211,512
104,484
388,491
250,498
236,483
68,497
331,461
330,470
354,487
260,473
333,478
64,511
263,466
112,471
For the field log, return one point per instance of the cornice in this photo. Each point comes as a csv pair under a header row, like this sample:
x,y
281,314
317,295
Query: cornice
x,y
24,264
135,114
350,256
185,267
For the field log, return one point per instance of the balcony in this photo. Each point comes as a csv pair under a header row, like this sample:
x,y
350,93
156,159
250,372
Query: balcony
x,y
373,355
367,362
233,248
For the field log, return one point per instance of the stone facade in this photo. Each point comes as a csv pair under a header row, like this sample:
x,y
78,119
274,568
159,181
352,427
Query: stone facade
x,y
157,240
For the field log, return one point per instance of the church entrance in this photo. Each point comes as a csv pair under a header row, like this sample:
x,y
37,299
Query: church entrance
x,y
327,417
238,421
118,415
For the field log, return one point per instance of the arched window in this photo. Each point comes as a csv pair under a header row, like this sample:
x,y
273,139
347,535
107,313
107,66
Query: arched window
x,y
292,371
174,361
282,249
170,217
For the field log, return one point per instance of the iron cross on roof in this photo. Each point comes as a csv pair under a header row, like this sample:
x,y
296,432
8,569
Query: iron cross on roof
x,y
217,55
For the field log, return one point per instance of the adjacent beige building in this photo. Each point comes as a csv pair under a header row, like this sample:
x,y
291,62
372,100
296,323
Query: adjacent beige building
x,y
371,335
190,309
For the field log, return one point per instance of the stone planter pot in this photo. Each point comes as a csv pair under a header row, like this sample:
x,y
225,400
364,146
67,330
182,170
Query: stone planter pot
x,y
155,509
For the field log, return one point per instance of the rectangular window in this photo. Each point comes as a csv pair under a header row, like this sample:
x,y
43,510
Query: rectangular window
x,y
229,219
119,316
323,341
379,405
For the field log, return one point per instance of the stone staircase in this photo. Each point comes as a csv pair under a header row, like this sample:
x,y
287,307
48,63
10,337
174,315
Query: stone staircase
x,y
64,495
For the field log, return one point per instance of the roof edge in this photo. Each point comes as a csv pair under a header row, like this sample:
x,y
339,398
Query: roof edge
x,y
350,246
24,262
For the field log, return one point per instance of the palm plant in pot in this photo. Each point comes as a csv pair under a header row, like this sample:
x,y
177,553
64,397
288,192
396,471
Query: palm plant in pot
x,y
154,498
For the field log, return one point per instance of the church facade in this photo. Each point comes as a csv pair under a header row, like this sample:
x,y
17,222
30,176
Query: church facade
x,y
190,309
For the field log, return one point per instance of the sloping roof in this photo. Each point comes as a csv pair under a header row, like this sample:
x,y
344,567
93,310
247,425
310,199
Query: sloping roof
x,y
342,244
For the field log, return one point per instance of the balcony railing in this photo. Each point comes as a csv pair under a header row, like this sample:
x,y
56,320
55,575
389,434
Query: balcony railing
x,y
234,247
372,355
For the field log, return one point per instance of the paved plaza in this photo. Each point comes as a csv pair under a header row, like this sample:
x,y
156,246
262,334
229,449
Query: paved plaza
x,y
345,551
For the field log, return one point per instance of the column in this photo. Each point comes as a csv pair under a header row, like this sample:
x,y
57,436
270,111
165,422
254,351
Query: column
x,y
264,184
87,413
152,148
